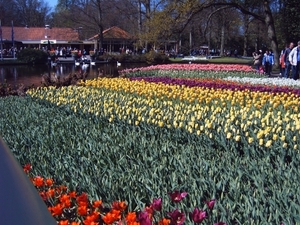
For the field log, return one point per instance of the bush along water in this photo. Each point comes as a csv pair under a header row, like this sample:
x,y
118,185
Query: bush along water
x,y
32,56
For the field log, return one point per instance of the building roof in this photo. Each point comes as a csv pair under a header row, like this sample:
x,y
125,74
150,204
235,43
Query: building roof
x,y
40,33
114,33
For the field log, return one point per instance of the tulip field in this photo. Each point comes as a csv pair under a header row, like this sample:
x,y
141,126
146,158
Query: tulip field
x,y
217,133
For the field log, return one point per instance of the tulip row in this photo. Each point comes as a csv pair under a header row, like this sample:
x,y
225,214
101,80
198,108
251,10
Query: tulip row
x,y
258,118
193,67
73,208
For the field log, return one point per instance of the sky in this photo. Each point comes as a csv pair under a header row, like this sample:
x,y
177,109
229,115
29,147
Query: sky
x,y
52,3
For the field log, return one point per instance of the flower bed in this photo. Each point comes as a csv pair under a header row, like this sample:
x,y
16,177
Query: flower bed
x,y
192,71
140,139
75,208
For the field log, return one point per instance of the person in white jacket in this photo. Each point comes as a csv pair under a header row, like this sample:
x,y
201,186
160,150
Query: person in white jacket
x,y
294,58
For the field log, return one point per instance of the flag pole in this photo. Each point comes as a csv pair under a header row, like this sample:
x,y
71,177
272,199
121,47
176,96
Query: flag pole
x,y
1,41
12,37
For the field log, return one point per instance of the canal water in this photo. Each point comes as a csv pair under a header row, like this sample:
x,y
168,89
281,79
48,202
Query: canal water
x,y
32,75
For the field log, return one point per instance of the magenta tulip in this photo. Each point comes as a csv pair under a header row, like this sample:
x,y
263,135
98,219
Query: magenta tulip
x,y
177,217
176,196
210,204
144,218
198,215
157,204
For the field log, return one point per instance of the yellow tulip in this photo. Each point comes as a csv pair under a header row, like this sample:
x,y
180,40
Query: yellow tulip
x,y
237,138
268,143
250,140
284,145
228,136
294,138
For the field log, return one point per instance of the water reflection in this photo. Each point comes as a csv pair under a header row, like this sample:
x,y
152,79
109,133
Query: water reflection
x,y
32,75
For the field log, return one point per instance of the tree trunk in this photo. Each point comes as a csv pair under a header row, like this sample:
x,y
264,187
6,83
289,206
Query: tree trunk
x,y
139,24
246,34
271,32
191,41
100,38
222,39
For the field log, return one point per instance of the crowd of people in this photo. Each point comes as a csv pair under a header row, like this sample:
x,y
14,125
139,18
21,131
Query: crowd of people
x,y
289,61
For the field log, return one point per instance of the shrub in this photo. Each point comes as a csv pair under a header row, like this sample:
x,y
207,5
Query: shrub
x,y
32,56
153,57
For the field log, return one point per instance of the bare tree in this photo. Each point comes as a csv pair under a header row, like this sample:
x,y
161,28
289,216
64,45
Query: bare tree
x,y
33,13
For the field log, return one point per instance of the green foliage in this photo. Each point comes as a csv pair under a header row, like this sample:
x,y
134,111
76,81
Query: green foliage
x,y
117,161
32,56
286,22
153,57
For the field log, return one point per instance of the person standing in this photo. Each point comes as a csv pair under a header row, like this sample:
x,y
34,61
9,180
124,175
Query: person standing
x,y
268,62
257,60
286,60
294,58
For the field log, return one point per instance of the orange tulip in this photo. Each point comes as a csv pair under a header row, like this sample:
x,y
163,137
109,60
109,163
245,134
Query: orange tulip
x,y
49,182
72,194
38,181
57,210
96,204
63,222
119,205
164,221
90,223
131,217
91,219
50,193
82,210
112,216
75,223
65,199
82,198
